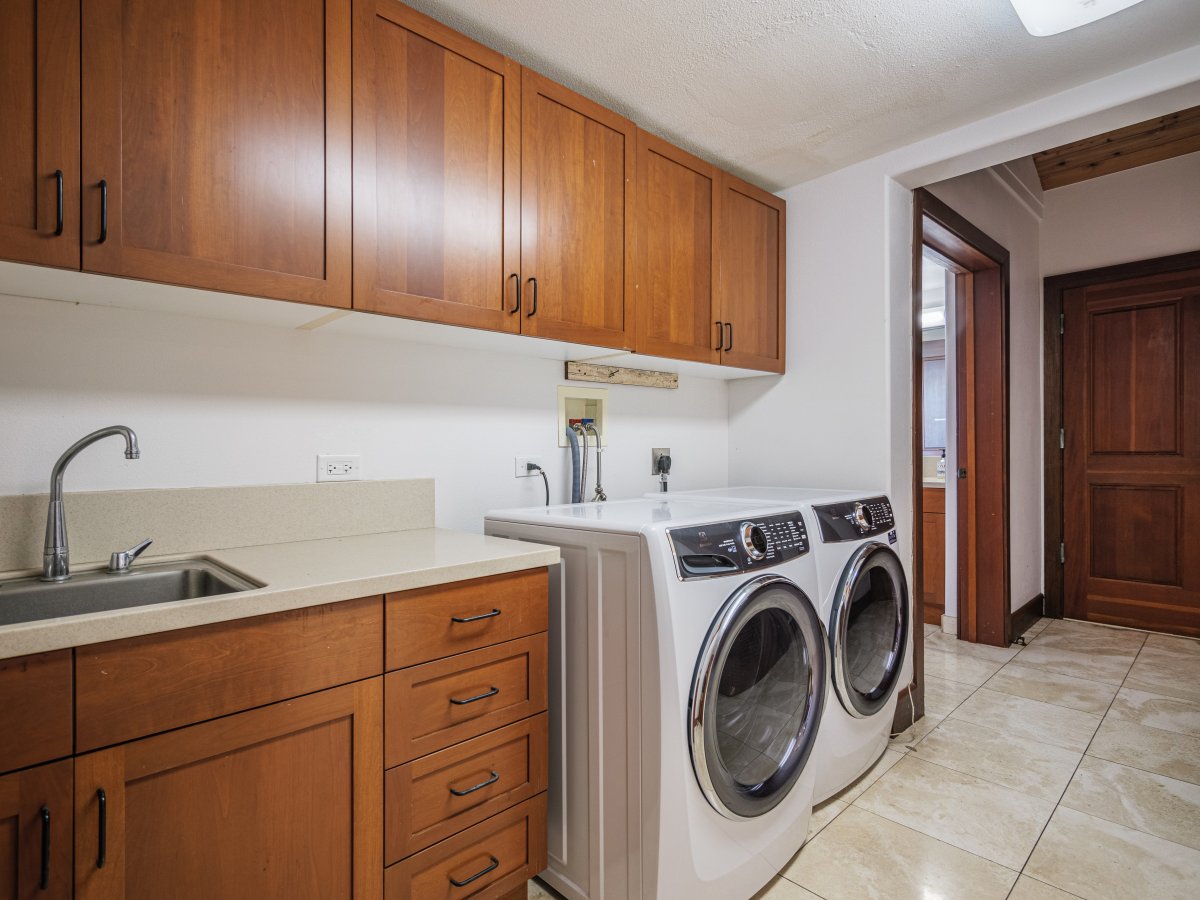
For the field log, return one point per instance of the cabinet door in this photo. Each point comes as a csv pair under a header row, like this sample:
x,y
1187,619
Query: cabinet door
x,y
39,111
281,801
751,283
676,230
217,137
437,171
36,815
577,163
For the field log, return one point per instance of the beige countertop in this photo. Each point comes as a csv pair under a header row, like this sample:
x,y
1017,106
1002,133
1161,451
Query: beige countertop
x,y
934,482
295,575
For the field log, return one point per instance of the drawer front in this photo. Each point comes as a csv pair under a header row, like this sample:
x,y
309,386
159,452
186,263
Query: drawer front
x,y
139,686
35,709
436,796
503,852
432,623
933,500
441,703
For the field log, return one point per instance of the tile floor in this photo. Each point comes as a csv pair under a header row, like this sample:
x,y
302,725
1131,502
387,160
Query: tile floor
x,y
1066,768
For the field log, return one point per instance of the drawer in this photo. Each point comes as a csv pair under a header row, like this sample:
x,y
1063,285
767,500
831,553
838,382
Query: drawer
x,y
503,852
431,623
139,686
439,795
430,707
35,709
933,500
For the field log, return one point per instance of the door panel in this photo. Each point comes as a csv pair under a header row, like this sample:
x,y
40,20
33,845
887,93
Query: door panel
x,y
36,817
39,109
222,130
437,171
577,165
1131,491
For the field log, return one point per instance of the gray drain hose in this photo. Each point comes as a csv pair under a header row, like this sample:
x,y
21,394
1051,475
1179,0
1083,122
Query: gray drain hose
x,y
576,473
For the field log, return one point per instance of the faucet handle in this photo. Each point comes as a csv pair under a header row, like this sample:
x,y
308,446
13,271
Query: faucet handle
x,y
119,562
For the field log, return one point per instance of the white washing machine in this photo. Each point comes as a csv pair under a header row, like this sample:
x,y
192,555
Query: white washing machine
x,y
865,607
688,675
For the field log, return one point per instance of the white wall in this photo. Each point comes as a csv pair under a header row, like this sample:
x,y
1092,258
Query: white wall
x,y
223,403
1141,213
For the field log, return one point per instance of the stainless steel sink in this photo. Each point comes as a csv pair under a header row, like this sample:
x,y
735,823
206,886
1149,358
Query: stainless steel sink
x,y
31,600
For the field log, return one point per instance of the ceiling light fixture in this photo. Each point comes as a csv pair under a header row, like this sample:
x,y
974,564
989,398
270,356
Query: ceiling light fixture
x,y
1045,17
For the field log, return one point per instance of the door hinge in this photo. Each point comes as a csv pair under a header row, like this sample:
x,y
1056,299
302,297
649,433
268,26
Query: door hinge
x,y
1062,438
1062,323
1062,554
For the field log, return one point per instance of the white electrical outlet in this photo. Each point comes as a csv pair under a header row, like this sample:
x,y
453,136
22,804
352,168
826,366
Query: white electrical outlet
x,y
521,466
338,468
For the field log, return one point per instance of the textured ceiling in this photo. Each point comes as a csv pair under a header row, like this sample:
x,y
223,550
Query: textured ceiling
x,y
781,91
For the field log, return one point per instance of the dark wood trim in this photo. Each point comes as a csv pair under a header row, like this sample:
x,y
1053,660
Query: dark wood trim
x,y
904,715
956,238
907,713
1053,289
1026,616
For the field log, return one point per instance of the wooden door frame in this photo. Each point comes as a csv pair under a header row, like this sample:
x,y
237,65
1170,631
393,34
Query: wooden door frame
x,y
1053,289
981,263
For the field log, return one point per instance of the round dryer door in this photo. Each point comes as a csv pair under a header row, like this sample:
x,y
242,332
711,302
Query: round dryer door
x,y
868,629
757,697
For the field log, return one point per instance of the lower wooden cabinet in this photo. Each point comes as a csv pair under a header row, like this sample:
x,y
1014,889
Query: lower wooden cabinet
x,y
35,833
280,801
934,554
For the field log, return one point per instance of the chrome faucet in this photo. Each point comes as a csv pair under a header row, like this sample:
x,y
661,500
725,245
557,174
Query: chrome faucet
x,y
56,558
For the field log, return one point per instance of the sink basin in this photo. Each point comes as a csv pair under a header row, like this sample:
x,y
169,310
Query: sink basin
x,y
31,600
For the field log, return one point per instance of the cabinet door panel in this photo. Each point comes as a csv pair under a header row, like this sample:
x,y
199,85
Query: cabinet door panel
x,y
281,801
676,222
222,130
39,109
437,171
577,164
751,254
36,817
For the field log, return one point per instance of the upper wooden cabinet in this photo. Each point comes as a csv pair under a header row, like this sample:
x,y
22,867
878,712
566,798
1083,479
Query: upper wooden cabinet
x,y
437,171
577,188
750,287
216,145
39,140
676,235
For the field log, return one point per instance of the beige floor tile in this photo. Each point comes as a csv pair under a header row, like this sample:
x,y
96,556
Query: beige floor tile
x,y
1037,627
1032,719
1173,643
824,814
1053,687
886,760
1101,860
994,822
948,643
538,891
941,696
861,855
1150,749
779,888
914,733
1031,767
1028,888
1155,804
1157,711
1091,665
1167,669
930,629
1097,640
959,667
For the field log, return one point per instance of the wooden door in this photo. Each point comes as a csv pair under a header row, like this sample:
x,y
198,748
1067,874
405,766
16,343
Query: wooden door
x,y
36,815
217,137
1131,473
577,165
677,217
39,131
281,801
437,172
750,254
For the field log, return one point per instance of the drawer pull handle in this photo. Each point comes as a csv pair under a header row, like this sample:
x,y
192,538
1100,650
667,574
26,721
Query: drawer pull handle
x,y
463,702
495,777
462,620
102,836
44,880
492,865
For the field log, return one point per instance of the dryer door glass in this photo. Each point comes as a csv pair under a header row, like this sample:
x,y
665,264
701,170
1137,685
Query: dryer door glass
x,y
868,629
757,697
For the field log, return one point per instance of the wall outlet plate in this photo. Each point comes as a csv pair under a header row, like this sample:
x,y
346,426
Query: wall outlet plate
x,y
521,466
339,467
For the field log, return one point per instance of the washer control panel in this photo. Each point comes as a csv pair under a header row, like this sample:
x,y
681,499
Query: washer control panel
x,y
725,548
855,519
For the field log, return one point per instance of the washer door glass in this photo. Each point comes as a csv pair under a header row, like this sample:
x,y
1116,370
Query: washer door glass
x,y
868,629
757,697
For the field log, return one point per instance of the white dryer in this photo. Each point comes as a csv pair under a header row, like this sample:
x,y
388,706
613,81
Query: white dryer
x,y
688,681
866,610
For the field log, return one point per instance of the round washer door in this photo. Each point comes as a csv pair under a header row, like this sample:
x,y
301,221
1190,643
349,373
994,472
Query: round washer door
x,y
868,628
757,697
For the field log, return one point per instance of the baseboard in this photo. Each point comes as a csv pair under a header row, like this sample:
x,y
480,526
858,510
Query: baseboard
x,y
1024,617
950,624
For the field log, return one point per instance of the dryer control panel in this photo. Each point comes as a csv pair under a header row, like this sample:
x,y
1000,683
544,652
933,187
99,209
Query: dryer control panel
x,y
854,520
725,548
